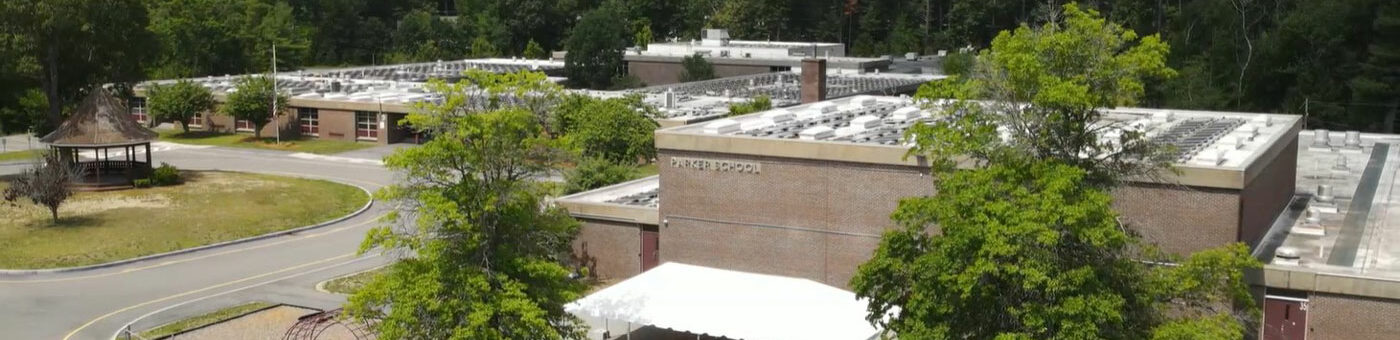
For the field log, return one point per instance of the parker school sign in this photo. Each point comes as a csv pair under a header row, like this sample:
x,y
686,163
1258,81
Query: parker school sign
x,y
715,165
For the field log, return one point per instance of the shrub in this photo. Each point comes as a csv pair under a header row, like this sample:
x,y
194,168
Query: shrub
x,y
959,64
141,182
165,175
593,173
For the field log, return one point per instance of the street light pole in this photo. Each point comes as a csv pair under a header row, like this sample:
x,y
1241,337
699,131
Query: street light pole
x,y
275,123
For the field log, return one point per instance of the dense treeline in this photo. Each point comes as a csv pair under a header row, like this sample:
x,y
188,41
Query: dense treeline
x,y
1334,60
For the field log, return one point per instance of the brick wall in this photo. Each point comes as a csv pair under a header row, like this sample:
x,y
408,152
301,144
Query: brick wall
x,y
610,250
802,218
1180,219
1266,197
1332,316
336,124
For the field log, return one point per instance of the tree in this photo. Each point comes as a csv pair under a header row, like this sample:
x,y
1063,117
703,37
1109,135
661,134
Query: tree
x,y
179,102
482,48
696,68
488,251
643,35
1053,81
196,38
48,184
1031,249
758,104
1027,244
619,130
68,45
593,173
534,51
1376,91
252,101
595,48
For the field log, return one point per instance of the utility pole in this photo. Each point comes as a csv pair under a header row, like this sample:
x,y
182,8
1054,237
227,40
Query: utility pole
x,y
275,123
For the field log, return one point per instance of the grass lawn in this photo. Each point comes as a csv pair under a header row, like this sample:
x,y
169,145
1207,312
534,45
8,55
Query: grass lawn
x,y
647,170
204,320
210,207
22,155
237,140
348,284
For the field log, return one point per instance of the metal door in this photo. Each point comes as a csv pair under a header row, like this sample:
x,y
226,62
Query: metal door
x,y
1285,318
651,240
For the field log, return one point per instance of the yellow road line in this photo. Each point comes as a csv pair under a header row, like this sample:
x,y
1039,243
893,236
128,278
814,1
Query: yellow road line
x,y
104,316
167,263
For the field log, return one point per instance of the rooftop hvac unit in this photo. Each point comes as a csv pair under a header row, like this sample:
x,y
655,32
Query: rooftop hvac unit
x,y
1321,139
778,116
1353,140
722,126
864,101
905,114
824,107
817,133
866,122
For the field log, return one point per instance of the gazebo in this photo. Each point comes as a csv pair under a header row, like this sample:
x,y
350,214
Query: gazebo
x,y
102,123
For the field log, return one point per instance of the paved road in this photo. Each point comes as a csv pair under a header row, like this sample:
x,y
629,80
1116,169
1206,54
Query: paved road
x,y
96,304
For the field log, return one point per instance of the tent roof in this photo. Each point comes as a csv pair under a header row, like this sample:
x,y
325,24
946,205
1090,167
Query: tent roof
x,y
101,120
731,304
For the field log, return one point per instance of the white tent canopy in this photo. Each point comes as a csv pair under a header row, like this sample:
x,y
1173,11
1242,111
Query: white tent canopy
x,y
731,304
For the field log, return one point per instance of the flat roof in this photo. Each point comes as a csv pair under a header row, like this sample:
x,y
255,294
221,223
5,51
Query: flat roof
x,y
634,201
450,69
388,88
700,101
1348,215
1217,149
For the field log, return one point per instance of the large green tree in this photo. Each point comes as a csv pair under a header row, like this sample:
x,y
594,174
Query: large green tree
x,y
179,102
1020,240
252,101
696,68
619,130
70,45
1376,91
488,252
595,48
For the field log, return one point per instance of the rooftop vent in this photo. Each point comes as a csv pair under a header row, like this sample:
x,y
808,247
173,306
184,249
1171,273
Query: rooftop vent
x,y
1286,255
1321,139
1324,193
817,133
1353,140
866,122
778,116
722,126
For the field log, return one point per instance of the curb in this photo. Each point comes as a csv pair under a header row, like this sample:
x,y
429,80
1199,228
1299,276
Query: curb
x,y
321,286
207,246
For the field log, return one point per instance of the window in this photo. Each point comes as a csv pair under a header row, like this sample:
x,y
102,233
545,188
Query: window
x,y
243,125
366,125
310,121
138,110
197,120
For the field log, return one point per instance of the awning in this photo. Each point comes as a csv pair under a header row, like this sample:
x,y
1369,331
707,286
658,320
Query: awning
x,y
731,304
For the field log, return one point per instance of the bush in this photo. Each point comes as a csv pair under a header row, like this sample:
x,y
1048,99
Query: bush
x,y
165,175
593,173
141,182
758,104
959,64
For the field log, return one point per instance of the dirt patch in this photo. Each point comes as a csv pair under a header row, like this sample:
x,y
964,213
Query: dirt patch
x,y
84,206
227,182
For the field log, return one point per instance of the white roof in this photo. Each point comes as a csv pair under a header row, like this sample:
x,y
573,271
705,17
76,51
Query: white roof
x,y
731,304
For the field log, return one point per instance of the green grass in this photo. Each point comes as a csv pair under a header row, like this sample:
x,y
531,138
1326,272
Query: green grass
x,y
210,207
348,284
204,320
19,155
647,170
236,140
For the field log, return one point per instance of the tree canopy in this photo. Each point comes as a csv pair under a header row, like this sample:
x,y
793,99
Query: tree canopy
x,y
252,101
595,48
488,251
696,68
1020,241
179,102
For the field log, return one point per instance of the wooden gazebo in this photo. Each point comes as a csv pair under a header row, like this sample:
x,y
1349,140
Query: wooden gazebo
x,y
102,123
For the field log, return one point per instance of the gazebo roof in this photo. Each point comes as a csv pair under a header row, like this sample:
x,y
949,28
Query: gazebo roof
x,y
101,120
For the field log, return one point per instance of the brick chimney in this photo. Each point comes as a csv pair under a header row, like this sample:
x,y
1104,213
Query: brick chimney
x,y
813,80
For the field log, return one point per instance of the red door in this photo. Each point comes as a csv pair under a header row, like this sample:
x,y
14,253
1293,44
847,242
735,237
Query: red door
x,y
1285,318
651,240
